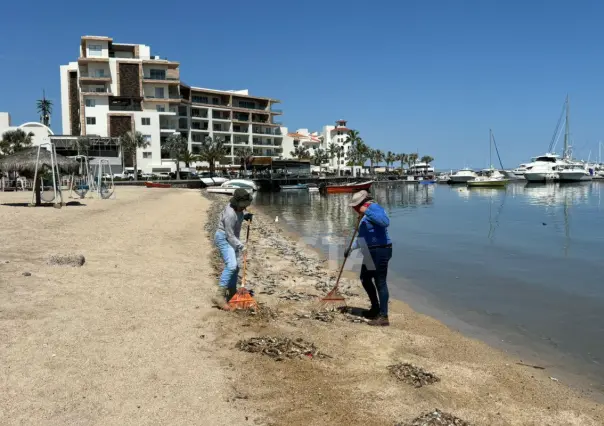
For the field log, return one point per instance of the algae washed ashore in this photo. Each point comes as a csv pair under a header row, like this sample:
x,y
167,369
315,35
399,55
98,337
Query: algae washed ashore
x,y
478,384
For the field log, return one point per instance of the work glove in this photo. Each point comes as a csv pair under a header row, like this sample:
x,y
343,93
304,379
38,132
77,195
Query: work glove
x,y
248,216
347,253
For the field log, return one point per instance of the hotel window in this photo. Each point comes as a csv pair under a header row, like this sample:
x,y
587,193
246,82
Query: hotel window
x,y
145,121
147,138
95,50
90,103
159,92
246,104
157,74
147,155
91,120
99,73
160,108
200,99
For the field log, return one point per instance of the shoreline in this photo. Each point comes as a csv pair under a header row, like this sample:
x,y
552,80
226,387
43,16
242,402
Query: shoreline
x,y
423,303
475,378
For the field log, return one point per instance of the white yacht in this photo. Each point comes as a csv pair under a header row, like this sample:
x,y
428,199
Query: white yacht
x,y
574,172
463,176
599,171
544,168
421,169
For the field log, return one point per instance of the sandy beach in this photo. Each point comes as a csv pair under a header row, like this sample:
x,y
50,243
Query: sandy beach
x,y
131,338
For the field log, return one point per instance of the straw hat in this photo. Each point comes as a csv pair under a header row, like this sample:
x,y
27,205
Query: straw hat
x,y
241,198
359,197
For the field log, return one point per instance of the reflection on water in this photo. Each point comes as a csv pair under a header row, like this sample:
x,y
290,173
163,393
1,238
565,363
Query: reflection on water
x,y
523,264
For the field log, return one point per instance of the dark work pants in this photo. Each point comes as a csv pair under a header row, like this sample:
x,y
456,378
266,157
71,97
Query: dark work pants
x,y
373,276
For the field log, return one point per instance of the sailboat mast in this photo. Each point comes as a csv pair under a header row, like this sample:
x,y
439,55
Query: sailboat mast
x,y
567,129
490,148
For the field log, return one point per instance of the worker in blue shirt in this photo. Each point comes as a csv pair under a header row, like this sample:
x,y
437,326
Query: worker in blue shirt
x,y
376,246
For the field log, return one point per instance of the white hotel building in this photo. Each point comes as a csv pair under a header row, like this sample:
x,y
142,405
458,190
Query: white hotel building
x,y
114,88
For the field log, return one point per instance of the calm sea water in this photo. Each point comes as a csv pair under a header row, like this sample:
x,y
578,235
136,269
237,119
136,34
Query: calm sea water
x,y
522,268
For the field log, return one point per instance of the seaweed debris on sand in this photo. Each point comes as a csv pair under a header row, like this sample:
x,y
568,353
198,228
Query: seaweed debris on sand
x,y
412,375
280,348
436,418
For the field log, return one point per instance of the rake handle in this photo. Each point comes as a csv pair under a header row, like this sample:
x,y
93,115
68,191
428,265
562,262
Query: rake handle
x,y
354,234
247,238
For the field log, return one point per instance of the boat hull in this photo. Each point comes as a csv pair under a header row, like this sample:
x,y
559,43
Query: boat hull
x,y
226,190
460,179
341,189
540,176
157,185
294,187
574,177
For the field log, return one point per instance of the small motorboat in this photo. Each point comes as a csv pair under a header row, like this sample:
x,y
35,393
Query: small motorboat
x,y
242,183
157,185
230,186
462,176
347,187
300,186
208,180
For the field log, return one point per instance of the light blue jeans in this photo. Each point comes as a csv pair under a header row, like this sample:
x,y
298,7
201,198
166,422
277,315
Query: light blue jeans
x,y
231,268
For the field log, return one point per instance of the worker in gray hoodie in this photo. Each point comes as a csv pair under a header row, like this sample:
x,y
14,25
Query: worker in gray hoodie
x,y
227,240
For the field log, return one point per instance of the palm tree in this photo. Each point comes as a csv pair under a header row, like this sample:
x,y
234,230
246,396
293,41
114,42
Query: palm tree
x,y
130,143
333,151
212,151
187,157
176,145
379,156
246,155
14,141
300,152
44,107
390,159
402,157
426,159
413,158
319,157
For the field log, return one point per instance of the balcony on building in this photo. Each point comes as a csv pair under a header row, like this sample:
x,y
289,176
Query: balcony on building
x,y
221,127
246,104
198,137
263,130
215,100
167,125
183,123
98,74
185,93
182,111
199,113
221,115
160,94
199,126
241,117
96,90
159,62
241,140
241,128
160,75
118,103
164,109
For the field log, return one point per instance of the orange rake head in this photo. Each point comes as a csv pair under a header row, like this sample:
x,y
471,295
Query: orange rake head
x,y
243,300
333,300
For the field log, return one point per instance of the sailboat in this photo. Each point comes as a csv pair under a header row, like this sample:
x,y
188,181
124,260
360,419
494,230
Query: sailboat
x,y
491,177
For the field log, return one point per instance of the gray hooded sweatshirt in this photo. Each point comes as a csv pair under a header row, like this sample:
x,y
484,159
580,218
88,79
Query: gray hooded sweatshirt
x,y
230,223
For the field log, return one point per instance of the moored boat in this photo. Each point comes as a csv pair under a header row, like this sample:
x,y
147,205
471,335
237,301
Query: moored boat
x,y
462,176
348,187
157,185
300,186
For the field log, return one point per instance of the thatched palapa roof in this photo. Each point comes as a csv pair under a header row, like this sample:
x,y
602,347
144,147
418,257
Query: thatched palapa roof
x,y
25,161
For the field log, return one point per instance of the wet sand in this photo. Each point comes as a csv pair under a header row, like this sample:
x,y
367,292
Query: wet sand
x,y
131,338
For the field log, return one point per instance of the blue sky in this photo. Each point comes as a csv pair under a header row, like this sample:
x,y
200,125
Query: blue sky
x,y
424,75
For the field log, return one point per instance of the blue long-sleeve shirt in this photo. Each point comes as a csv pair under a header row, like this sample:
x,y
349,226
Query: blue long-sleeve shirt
x,y
373,228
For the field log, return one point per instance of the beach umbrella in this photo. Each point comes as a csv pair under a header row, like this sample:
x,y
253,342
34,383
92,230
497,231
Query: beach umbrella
x,y
25,161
